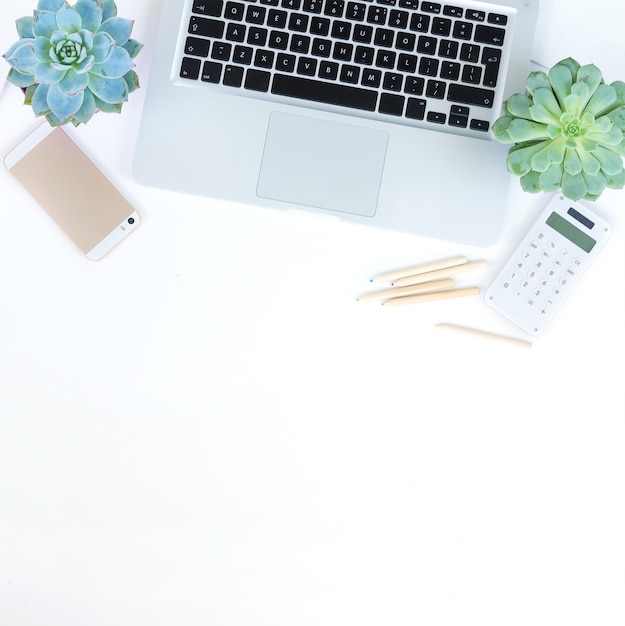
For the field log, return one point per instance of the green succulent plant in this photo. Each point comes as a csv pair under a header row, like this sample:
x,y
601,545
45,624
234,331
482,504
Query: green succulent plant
x,y
568,131
74,60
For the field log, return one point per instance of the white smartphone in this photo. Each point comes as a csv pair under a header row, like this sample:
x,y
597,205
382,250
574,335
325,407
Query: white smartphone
x,y
72,190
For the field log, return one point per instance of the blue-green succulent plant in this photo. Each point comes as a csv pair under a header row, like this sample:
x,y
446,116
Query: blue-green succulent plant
x,y
72,61
568,131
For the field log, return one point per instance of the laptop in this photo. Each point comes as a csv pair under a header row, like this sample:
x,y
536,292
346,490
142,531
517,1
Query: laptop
x,y
377,112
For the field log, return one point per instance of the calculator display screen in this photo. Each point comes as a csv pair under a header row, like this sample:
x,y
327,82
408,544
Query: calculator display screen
x,y
572,233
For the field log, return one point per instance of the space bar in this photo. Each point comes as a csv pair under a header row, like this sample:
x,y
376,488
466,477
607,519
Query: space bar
x,y
328,93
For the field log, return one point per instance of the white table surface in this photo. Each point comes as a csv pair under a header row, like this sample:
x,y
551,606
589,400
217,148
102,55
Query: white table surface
x,y
206,428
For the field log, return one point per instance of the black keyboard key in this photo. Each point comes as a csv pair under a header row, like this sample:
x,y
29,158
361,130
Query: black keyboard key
x,y
489,35
398,19
420,23
242,55
341,30
190,68
363,34
286,62
481,125
371,78
463,30
391,104
414,85
307,66
431,7
377,15
334,8
343,51
355,11
208,7
436,89
257,80
257,36
350,74
298,22
211,72
472,74
476,16
236,32
392,81
441,26
320,26
277,18
465,94
405,41
300,44
415,109
450,71
437,118
312,6
385,59
221,51
327,93
278,40
453,11
426,45
196,47
329,70
470,52
384,37
496,18
428,67
255,15
448,49
364,55
459,116
321,47
264,59
407,63
206,27
491,58
233,76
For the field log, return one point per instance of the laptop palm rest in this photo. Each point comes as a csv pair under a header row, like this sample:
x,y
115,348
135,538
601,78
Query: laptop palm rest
x,y
318,163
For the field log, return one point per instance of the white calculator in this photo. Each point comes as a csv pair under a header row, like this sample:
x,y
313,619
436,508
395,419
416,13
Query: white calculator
x,y
547,265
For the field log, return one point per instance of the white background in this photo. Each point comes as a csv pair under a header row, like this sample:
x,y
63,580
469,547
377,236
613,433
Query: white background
x,y
206,427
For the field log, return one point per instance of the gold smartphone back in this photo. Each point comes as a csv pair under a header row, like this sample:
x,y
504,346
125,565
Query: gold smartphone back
x,y
73,191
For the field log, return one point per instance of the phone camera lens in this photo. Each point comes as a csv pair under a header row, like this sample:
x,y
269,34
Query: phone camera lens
x,y
131,220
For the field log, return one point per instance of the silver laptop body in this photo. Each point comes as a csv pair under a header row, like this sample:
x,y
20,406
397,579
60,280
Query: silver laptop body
x,y
406,158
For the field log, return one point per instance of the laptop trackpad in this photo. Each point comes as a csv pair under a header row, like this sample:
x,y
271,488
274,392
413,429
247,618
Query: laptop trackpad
x,y
317,163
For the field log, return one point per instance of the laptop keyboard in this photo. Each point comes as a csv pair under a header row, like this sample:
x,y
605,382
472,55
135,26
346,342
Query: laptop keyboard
x,y
405,61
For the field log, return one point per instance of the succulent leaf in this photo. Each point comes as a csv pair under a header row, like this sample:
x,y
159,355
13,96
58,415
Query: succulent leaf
x,y
25,27
50,5
568,131
74,60
90,13
118,28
